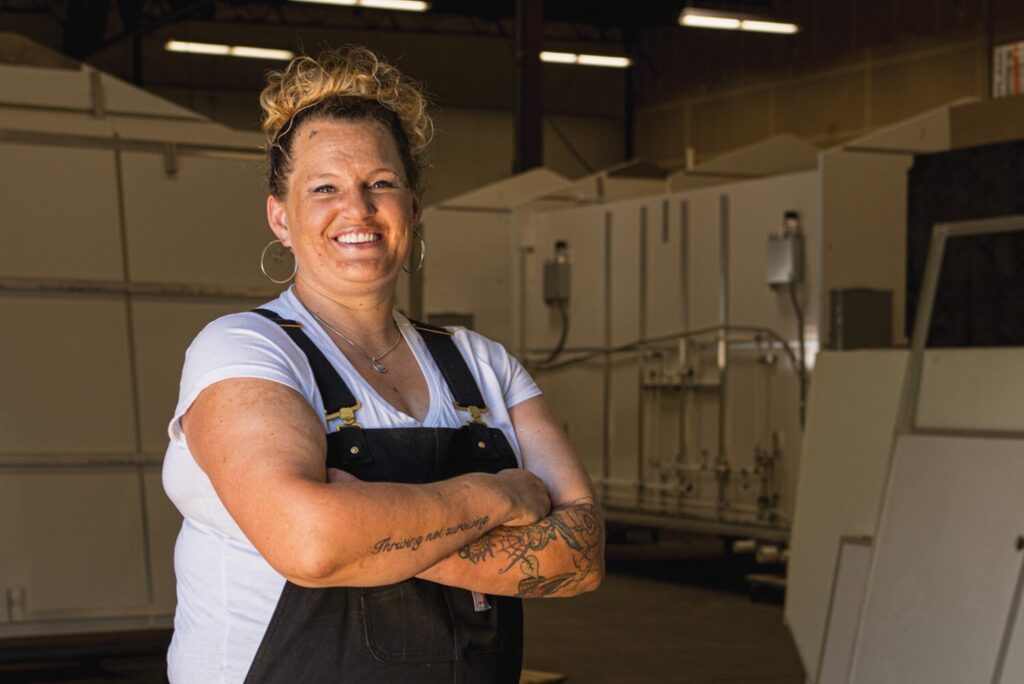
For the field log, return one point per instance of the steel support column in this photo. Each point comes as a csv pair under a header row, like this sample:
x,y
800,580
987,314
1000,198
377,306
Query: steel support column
x,y
529,90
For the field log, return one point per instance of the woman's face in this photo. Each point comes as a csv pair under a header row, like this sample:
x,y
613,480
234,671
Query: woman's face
x,y
349,213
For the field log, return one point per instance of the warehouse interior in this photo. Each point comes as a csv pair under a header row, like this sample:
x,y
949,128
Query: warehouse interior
x,y
763,257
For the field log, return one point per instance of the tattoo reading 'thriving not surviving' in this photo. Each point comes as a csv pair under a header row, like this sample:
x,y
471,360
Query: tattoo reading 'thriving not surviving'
x,y
387,544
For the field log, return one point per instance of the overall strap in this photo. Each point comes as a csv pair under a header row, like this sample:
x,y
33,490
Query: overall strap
x,y
454,369
338,399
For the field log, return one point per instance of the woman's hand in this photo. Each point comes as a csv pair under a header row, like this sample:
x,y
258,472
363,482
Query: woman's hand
x,y
527,494
339,475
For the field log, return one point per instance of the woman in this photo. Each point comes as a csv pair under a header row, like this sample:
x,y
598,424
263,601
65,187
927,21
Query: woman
x,y
365,498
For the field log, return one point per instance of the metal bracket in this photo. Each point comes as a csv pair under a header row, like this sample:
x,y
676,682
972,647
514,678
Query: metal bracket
x,y
347,416
171,160
99,103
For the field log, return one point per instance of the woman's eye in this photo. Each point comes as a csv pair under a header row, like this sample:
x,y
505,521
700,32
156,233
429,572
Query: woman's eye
x,y
324,188
382,185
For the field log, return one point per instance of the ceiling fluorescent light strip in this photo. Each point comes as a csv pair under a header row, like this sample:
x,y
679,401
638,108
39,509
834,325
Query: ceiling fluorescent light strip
x,y
197,48
768,26
699,18
227,50
400,5
585,60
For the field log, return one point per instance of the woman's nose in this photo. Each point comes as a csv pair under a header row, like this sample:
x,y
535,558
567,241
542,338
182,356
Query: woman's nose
x,y
357,204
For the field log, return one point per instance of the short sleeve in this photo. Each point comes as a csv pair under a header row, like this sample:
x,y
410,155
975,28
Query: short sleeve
x,y
243,345
514,381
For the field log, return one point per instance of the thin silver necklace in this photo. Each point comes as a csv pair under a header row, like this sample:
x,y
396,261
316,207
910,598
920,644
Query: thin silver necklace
x,y
375,361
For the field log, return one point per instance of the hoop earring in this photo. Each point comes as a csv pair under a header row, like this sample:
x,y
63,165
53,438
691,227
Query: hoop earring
x,y
423,255
263,265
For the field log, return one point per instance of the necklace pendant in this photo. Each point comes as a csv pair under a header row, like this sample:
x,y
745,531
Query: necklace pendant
x,y
378,366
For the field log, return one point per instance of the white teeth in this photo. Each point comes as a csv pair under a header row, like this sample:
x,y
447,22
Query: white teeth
x,y
357,238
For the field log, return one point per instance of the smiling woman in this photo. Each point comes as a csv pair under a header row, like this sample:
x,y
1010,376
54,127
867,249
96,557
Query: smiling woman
x,y
365,497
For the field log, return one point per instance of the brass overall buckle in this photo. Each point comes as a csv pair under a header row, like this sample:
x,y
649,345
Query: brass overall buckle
x,y
474,411
347,416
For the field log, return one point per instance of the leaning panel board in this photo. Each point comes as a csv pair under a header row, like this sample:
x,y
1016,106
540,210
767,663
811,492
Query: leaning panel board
x,y
850,422
946,564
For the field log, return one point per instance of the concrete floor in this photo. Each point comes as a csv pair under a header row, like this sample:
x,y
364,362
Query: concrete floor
x,y
658,618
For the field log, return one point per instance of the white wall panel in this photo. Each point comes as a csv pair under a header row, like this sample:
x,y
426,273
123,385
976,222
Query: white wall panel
x,y
72,541
163,524
61,214
863,230
67,377
576,395
704,263
163,330
469,268
625,272
207,225
664,268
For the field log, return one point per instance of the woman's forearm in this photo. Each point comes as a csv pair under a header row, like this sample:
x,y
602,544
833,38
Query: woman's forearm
x,y
560,555
394,531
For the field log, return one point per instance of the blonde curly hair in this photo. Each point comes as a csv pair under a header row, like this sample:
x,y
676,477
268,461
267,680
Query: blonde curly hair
x,y
347,83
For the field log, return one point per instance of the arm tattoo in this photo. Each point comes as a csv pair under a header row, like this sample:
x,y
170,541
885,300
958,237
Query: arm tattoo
x,y
577,526
414,542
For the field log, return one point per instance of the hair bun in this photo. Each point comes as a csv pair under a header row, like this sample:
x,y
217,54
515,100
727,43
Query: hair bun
x,y
348,71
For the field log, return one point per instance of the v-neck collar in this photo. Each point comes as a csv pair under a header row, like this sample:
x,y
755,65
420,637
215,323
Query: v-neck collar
x,y
412,338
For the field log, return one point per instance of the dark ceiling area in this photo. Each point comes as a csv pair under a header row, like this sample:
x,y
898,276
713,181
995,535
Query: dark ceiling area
x,y
465,51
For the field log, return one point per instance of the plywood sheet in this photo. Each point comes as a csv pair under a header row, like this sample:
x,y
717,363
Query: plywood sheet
x,y
850,421
67,377
206,225
73,541
945,564
61,213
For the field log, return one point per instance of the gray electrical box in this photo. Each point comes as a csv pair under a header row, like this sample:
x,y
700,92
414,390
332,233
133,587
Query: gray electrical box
x,y
784,260
860,318
557,275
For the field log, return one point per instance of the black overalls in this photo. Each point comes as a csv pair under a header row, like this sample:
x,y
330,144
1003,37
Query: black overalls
x,y
413,631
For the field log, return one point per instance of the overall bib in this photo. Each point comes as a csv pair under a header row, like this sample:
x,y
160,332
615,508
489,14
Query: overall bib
x,y
413,631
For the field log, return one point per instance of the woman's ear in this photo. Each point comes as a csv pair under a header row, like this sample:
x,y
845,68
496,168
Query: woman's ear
x,y
278,220
417,208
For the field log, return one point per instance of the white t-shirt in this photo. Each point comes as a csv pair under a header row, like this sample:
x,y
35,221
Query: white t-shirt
x,y
227,592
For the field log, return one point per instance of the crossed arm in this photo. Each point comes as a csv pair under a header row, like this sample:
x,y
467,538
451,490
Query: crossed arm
x,y
560,555
532,532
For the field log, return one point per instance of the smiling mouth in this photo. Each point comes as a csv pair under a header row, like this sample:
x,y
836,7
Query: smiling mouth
x,y
357,238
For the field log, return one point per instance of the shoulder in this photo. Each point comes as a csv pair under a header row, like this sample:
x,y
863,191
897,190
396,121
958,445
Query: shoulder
x,y
243,344
238,332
